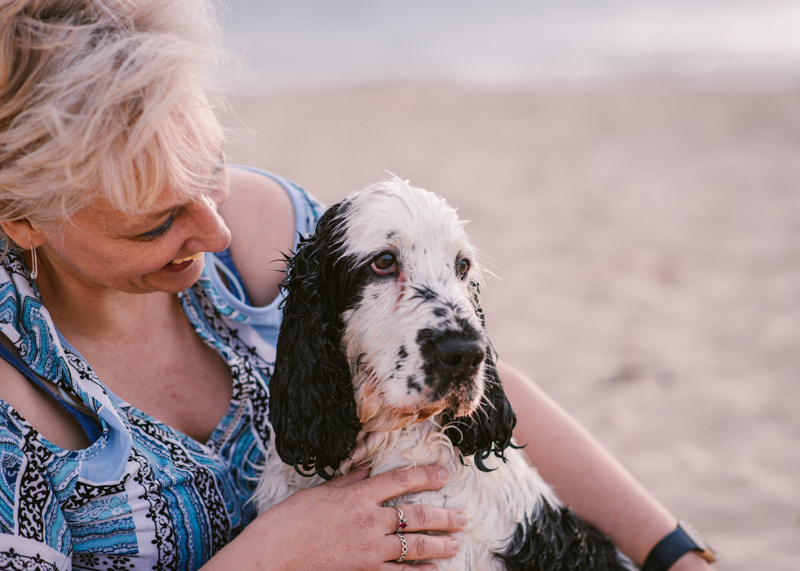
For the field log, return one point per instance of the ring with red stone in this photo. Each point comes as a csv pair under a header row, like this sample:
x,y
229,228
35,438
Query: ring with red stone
x,y
402,524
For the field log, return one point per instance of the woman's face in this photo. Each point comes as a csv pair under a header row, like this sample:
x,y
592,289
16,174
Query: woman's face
x,y
161,250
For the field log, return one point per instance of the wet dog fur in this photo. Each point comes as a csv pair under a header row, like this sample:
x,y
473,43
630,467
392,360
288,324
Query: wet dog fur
x,y
383,361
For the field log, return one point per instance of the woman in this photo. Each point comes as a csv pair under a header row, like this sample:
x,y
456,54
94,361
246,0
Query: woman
x,y
134,372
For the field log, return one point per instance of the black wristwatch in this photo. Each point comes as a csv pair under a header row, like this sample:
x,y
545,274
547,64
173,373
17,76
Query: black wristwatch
x,y
684,539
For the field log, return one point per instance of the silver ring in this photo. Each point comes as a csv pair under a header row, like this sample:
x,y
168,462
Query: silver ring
x,y
402,523
405,547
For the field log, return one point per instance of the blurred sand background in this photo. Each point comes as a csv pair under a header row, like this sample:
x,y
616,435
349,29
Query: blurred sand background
x,y
645,230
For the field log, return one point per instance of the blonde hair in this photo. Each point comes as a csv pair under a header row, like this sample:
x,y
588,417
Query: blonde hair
x,y
105,98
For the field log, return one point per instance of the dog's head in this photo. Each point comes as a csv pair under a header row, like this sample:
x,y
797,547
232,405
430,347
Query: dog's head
x,y
382,328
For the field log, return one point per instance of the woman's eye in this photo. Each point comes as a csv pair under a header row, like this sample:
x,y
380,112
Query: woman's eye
x,y
157,232
462,267
384,264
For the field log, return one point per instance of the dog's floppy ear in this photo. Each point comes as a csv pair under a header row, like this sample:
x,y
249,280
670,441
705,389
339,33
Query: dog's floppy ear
x,y
312,405
489,429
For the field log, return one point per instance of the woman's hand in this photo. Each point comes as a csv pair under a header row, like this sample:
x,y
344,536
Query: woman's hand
x,y
342,525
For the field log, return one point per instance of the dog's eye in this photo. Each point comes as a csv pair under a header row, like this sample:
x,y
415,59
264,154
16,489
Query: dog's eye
x,y
462,267
384,264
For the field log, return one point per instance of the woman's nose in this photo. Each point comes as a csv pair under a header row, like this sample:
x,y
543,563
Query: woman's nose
x,y
210,233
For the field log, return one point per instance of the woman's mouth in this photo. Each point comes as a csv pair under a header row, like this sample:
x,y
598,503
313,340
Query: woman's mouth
x,y
196,256
180,264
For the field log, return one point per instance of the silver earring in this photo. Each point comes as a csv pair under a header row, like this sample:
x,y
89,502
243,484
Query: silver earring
x,y
35,272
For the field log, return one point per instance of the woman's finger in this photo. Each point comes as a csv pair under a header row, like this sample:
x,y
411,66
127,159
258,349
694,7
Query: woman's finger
x,y
418,546
422,517
397,482
347,479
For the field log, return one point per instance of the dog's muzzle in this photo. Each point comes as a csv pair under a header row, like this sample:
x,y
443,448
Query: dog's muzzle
x,y
452,364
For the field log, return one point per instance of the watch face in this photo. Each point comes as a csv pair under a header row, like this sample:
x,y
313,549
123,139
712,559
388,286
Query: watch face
x,y
703,548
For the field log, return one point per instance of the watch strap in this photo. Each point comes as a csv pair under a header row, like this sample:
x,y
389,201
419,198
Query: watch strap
x,y
673,547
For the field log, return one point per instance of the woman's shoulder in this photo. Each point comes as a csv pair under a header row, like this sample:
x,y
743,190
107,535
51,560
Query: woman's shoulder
x,y
260,215
258,207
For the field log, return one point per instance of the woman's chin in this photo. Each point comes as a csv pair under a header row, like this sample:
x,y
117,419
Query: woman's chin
x,y
174,278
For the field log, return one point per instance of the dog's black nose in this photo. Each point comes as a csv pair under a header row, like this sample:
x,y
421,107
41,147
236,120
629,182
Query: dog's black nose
x,y
460,355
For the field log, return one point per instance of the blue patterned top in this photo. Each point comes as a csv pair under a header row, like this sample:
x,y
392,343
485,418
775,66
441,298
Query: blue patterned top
x,y
143,495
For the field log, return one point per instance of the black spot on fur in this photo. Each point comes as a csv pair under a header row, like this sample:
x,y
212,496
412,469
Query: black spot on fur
x,y
413,384
555,539
402,354
440,312
422,292
475,291
467,328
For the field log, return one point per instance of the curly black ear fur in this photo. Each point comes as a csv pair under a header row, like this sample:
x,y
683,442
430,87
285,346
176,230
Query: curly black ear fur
x,y
489,429
312,405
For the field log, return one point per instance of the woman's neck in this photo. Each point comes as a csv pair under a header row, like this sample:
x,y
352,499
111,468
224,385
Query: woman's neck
x,y
82,309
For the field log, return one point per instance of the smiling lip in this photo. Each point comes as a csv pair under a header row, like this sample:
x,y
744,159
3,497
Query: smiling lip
x,y
178,265
196,256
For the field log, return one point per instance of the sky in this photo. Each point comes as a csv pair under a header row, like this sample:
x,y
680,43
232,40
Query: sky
x,y
290,44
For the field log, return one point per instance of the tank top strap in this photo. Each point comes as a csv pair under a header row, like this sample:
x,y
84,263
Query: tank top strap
x,y
91,426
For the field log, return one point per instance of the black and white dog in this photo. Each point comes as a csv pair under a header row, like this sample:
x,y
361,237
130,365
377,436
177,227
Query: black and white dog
x,y
383,361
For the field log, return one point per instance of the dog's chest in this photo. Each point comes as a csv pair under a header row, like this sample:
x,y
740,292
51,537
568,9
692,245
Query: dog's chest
x,y
494,502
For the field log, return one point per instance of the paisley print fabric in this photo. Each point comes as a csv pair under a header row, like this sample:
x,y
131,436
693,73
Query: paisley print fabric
x,y
143,495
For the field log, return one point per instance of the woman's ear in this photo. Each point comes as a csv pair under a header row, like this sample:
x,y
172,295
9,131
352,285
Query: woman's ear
x,y
24,234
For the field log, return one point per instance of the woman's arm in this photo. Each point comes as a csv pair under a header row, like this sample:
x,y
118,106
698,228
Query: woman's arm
x,y
586,477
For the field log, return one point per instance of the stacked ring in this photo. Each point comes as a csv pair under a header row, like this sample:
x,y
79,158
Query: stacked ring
x,y
404,544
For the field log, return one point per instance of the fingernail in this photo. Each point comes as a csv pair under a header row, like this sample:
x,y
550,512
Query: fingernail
x,y
444,474
455,545
462,519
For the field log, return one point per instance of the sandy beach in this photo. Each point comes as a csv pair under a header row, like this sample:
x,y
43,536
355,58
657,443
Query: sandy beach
x,y
646,243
